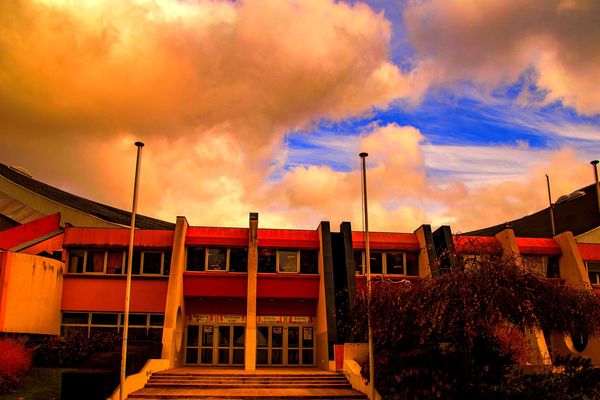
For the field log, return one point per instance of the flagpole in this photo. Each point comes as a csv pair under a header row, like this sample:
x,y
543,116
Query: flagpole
x,y
136,185
363,156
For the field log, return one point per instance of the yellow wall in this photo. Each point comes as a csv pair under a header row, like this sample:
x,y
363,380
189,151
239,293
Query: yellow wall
x,y
31,294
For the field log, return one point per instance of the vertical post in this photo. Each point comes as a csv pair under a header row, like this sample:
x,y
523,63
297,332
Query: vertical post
x,y
363,156
138,164
595,165
250,336
551,207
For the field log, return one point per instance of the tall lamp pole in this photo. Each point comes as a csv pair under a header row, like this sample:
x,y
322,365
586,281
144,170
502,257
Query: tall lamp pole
x,y
363,156
551,206
136,185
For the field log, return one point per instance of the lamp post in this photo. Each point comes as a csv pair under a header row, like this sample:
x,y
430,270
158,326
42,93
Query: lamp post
x,y
551,206
363,156
136,185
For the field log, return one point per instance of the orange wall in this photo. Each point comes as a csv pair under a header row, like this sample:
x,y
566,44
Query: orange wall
x,y
107,293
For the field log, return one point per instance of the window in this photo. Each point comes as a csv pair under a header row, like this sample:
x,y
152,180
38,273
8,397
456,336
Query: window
x,y
287,261
201,258
536,264
388,262
267,260
141,326
309,261
114,262
593,268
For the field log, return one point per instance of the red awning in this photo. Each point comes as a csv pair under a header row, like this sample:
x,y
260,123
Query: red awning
x,y
117,237
589,251
542,246
21,234
202,235
288,238
386,241
479,244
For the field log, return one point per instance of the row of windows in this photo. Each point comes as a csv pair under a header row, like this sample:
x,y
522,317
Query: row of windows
x,y
387,262
140,325
236,260
114,262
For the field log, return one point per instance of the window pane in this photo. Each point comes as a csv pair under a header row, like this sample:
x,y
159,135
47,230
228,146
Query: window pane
x,y
135,269
553,267
136,333
293,337
238,260
152,261
238,336
137,319
101,331
224,335
276,357
307,337
293,357
207,355
238,356
104,319
412,264
192,335
277,336
376,264
223,356
394,262
74,318
309,261
267,260
358,267
76,261
207,335
155,334
217,260
191,356
262,356
157,319
195,258
95,261
167,263
288,261
307,357
114,262
261,336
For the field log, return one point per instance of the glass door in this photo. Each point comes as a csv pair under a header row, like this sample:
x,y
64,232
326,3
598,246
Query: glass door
x,y
215,344
285,345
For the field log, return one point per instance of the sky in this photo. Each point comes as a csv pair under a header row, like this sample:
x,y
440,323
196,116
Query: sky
x,y
264,105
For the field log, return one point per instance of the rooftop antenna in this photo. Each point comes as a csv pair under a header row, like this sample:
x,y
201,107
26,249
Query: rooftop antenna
x,y
363,156
551,206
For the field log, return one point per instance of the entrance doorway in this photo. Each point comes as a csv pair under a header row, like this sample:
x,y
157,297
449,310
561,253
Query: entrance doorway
x,y
215,344
284,345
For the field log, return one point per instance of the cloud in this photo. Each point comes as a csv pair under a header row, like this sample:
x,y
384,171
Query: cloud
x,y
495,42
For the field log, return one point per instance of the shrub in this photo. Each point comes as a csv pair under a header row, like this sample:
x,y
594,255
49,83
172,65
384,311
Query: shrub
x,y
15,361
74,349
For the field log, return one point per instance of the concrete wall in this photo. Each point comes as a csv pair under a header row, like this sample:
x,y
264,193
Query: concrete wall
x,y
324,304
172,340
30,294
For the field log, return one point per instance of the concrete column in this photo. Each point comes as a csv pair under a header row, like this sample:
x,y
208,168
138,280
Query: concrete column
x,y
346,231
250,345
326,331
570,262
172,340
508,241
427,255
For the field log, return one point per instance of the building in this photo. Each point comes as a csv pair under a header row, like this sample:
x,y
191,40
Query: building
x,y
246,297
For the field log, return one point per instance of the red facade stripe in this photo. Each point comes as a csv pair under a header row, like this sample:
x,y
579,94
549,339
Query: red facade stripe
x,y
282,286
212,236
589,251
21,234
288,238
541,246
215,284
386,241
117,237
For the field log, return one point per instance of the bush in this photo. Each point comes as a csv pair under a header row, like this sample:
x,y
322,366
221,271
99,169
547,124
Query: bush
x,y
74,349
15,361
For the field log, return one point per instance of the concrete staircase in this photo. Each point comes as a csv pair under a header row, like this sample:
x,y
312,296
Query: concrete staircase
x,y
289,384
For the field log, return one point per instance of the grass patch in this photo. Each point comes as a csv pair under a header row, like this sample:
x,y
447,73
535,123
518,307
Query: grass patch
x,y
39,384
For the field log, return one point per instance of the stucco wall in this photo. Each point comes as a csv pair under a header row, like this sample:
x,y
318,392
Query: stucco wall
x,y
31,294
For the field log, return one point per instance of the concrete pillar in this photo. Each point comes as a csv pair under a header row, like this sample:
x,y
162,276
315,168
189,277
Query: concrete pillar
x,y
508,241
250,345
570,262
326,331
427,255
172,340
346,231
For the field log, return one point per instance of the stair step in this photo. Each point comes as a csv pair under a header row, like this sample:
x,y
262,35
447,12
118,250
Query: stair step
x,y
247,386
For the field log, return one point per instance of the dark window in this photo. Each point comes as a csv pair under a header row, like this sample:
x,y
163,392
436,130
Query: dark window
x,y
553,268
95,261
152,261
114,262
167,263
137,259
157,319
412,264
394,262
217,259
267,260
104,319
238,260
76,260
74,318
309,261
137,319
376,264
580,341
195,258
594,272
358,262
